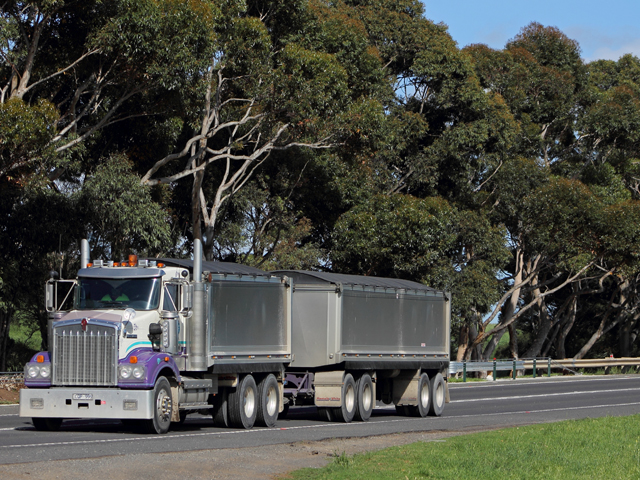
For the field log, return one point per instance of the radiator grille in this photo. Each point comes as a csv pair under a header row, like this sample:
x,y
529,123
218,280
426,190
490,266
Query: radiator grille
x,y
85,357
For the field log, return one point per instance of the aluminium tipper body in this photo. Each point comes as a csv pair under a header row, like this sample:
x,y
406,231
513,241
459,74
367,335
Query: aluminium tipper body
x,y
367,322
248,316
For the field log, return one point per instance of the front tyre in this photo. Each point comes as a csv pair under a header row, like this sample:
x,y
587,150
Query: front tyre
x,y
162,408
47,424
268,401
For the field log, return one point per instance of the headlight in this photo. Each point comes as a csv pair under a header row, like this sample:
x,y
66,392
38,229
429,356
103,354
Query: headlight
x,y
45,371
125,371
37,371
138,372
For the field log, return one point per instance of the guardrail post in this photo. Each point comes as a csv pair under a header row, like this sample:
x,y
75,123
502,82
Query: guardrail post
x,y
514,369
549,367
494,370
534,368
464,371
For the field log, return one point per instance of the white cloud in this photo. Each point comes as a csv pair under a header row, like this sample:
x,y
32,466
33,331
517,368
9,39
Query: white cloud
x,y
598,44
606,53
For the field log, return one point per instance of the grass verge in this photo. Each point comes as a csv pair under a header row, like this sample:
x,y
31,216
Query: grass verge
x,y
603,448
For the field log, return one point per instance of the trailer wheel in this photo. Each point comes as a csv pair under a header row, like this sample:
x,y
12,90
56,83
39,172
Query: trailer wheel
x,y
424,397
285,411
403,410
162,408
347,411
437,396
221,408
327,413
364,395
268,401
243,404
47,424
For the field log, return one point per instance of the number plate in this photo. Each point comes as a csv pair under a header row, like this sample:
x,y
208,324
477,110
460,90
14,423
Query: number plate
x,y
82,396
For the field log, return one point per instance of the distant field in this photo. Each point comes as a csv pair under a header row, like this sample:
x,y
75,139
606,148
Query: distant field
x,y
604,448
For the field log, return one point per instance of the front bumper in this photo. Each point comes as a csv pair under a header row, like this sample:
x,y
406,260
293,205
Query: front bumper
x,y
86,403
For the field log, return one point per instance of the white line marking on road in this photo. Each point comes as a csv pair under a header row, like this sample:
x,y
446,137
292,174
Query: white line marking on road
x,y
302,427
575,392
541,381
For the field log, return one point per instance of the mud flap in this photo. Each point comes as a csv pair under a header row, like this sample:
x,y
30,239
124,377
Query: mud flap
x,y
328,389
405,387
175,399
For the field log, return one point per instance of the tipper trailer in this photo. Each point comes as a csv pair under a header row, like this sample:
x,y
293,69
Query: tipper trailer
x,y
150,341
357,339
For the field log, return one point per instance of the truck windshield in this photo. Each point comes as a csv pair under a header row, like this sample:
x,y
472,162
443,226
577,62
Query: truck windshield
x,y
138,293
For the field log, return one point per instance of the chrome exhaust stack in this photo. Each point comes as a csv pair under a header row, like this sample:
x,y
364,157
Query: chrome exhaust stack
x,y
85,253
198,327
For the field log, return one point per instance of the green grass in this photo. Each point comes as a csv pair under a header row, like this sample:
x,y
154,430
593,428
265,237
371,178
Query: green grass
x,y
604,448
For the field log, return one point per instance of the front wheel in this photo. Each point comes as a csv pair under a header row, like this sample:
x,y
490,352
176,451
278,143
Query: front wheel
x,y
162,408
47,424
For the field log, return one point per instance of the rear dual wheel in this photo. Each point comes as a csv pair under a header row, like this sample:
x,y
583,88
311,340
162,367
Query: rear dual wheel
x,y
438,396
365,397
431,398
268,401
424,398
242,404
357,400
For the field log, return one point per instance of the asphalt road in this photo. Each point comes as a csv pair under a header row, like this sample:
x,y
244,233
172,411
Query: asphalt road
x,y
474,405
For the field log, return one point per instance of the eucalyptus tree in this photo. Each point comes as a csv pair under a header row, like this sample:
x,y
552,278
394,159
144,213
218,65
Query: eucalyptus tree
x,y
275,81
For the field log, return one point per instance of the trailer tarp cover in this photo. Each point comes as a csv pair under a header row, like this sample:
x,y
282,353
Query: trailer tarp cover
x,y
214,267
305,277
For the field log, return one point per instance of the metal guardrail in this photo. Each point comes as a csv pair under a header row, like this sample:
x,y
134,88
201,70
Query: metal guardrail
x,y
11,380
493,366
539,365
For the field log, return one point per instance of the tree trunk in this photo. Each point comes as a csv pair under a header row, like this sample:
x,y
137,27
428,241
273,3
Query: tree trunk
x,y
544,327
622,290
551,340
513,341
5,322
463,342
492,345
510,305
625,334
565,328
472,353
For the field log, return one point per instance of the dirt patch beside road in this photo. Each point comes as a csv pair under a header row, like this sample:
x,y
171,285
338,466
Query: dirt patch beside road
x,y
259,463
9,393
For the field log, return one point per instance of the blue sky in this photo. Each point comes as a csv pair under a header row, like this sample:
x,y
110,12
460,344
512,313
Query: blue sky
x,y
604,29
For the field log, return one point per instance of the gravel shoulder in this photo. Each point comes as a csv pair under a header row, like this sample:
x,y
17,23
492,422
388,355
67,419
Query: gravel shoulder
x,y
261,463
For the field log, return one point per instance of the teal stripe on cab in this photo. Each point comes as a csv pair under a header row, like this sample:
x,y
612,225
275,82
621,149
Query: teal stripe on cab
x,y
138,344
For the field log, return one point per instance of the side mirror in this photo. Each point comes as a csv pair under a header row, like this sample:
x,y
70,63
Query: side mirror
x,y
50,296
57,293
187,296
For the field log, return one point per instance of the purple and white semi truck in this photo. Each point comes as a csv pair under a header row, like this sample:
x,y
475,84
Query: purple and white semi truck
x,y
150,341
